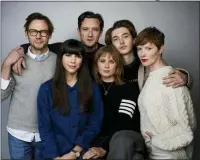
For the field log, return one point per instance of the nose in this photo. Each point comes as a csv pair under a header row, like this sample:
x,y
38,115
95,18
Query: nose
x,y
121,41
73,59
38,35
142,53
107,65
90,33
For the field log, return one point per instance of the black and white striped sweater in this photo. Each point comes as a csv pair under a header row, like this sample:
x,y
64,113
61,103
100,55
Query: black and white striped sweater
x,y
120,111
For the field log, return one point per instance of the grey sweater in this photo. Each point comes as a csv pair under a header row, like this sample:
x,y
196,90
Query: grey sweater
x,y
24,90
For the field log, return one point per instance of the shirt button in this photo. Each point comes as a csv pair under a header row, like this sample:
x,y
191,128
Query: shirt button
x,y
74,126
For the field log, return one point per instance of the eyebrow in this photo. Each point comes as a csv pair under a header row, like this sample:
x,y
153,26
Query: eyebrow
x,y
38,30
114,37
125,34
122,35
89,27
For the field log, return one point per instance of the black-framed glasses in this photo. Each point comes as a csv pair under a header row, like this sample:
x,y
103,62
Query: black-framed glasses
x,y
34,32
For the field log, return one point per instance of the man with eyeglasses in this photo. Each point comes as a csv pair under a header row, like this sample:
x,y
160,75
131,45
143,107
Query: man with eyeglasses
x,y
90,28
23,136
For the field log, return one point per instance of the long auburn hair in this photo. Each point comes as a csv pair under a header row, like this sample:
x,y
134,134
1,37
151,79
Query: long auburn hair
x,y
84,81
111,50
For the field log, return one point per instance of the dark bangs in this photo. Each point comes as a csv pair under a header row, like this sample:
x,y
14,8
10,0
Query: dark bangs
x,y
72,47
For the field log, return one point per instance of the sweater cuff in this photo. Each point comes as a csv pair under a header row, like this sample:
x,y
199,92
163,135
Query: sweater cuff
x,y
5,83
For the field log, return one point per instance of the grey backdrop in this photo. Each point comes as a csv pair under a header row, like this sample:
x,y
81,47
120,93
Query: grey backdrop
x,y
178,20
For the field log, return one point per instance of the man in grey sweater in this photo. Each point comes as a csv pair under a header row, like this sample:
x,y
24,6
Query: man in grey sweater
x,y
23,138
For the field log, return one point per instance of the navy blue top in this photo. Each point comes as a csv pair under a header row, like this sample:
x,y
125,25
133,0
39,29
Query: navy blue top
x,y
60,133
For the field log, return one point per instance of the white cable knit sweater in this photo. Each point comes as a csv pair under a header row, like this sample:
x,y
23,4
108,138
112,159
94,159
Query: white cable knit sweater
x,y
168,114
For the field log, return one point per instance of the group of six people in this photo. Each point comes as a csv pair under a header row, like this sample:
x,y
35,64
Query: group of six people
x,y
83,100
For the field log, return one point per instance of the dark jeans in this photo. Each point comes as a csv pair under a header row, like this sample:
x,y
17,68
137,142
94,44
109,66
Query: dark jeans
x,y
21,150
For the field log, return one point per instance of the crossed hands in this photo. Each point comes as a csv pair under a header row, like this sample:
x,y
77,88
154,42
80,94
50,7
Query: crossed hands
x,y
68,156
94,152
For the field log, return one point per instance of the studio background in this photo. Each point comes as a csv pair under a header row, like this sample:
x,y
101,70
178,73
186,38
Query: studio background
x,y
178,20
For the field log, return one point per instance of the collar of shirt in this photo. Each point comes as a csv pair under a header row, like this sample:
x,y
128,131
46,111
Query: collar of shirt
x,y
38,58
74,87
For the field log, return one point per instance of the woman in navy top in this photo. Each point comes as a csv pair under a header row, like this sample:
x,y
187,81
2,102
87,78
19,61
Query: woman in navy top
x,y
69,106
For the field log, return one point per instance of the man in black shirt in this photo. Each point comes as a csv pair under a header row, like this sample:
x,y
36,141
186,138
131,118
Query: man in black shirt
x,y
90,28
122,35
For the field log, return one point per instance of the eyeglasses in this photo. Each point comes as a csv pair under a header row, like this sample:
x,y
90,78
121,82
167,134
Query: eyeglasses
x,y
34,32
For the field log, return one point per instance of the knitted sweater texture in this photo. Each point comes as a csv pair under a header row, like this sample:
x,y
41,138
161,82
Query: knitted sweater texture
x,y
24,90
168,114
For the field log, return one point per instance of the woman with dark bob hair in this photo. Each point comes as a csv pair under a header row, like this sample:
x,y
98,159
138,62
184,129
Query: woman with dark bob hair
x,y
69,106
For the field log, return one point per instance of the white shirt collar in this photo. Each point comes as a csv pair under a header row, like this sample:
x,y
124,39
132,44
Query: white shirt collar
x,y
33,56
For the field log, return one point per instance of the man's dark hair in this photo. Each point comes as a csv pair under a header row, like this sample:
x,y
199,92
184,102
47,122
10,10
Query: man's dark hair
x,y
108,38
127,24
89,14
39,16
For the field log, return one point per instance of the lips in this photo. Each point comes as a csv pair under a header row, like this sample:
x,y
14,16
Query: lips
x,y
144,60
90,40
106,71
38,42
123,47
72,67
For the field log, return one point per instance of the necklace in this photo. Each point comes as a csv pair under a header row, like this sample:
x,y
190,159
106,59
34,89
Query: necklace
x,y
106,91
